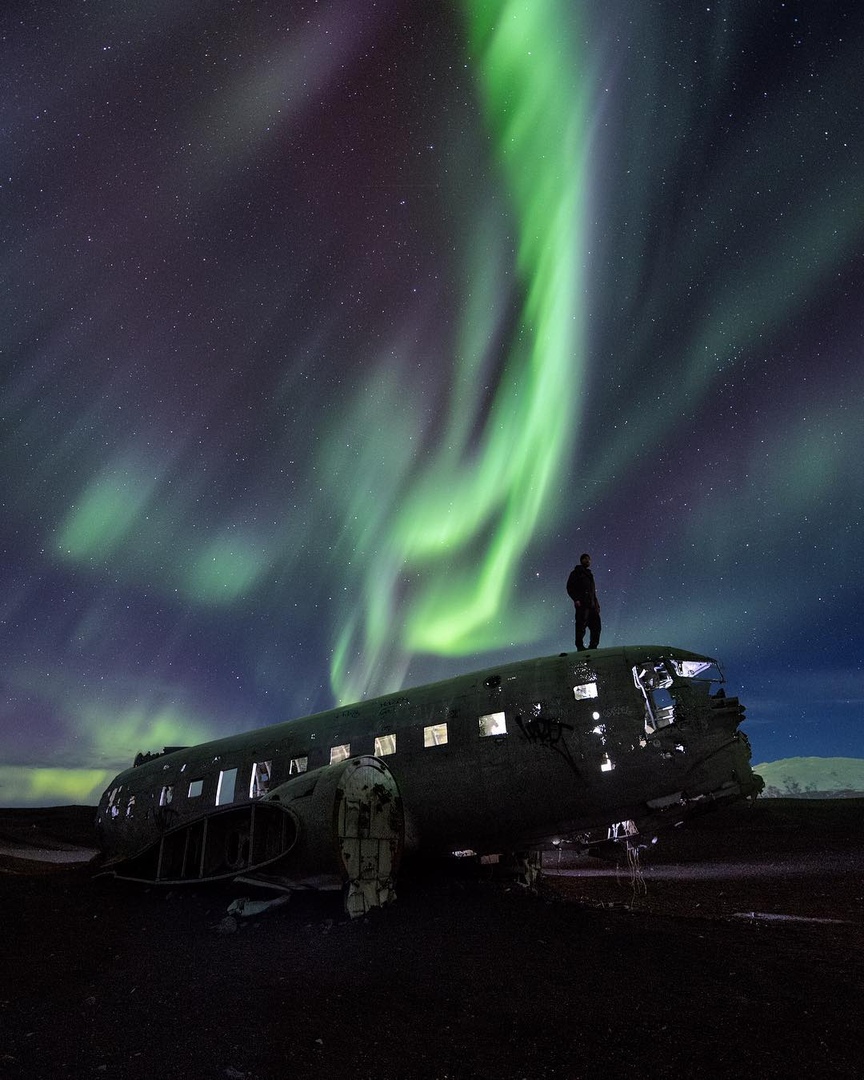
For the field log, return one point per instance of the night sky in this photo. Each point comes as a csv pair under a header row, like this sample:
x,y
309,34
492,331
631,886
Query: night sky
x,y
333,333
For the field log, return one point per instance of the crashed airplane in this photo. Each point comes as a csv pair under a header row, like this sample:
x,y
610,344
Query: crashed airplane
x,y
579,747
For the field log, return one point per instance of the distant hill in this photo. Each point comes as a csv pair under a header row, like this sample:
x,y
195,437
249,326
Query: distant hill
x,y
813,777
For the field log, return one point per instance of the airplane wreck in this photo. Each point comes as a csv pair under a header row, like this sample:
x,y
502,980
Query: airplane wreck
x,y
582,747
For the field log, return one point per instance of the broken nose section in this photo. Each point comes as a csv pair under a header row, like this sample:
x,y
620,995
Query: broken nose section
x,y
721,777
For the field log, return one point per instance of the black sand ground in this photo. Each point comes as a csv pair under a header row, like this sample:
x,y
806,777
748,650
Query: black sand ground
x,y
680,973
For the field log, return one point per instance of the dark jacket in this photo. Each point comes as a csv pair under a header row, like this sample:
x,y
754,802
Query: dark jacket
x,y
580,586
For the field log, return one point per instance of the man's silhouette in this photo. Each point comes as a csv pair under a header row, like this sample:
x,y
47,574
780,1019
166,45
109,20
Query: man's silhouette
x,y
581,590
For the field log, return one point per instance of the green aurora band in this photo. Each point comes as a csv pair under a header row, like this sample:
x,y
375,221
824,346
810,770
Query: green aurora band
x,y
433,549
178,490
439,566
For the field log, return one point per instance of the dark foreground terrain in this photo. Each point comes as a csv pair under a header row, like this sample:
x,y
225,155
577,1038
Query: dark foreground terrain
x,y
735,952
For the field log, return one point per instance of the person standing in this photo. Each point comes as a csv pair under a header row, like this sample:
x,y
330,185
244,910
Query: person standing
x,y
582,591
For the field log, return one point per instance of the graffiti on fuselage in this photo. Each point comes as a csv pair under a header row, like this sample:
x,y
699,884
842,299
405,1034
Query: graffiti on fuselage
x,y
542,730
547,732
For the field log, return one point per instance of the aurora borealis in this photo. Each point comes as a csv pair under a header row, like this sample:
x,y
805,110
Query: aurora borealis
x,y
333,332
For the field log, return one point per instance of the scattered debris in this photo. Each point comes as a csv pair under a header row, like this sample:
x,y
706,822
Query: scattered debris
x,y
765,916
638,884
244,907
57,852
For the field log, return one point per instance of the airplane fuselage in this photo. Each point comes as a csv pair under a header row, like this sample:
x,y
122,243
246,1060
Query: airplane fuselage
x,y
508,758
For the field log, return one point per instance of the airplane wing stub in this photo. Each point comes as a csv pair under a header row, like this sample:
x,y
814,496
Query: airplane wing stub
x,y
371,828
352,831
344,824
225,843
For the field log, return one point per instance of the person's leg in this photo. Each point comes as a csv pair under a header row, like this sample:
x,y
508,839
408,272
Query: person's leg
x,y
581,614
594,627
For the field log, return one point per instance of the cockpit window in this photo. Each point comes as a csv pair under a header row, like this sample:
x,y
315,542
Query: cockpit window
x,y
701,671
654,680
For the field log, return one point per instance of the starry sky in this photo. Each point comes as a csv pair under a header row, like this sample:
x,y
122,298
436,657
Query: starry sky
x,y
333,332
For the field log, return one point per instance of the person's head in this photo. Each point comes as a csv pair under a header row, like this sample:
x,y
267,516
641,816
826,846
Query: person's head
x,y
585,559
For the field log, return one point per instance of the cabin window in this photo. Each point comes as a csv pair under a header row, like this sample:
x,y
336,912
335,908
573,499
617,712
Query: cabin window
x,y
131,806
435,735
493,724
584,691
225,787
340,753
259,784
167,796
298,765
384,745
195,788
